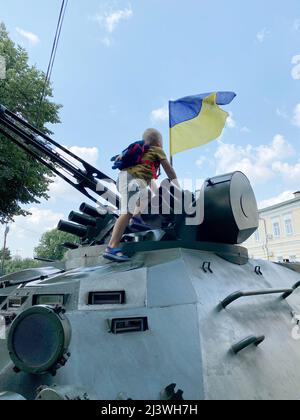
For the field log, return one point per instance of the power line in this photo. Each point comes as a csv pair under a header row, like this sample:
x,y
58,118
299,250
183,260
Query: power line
x,y
53,53
57,37
25,229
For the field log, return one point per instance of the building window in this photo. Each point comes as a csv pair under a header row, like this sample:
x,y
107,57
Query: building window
x,y
276,228
288,222
257,236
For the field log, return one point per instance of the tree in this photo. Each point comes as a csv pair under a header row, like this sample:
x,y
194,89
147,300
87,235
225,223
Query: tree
x,y
17,264
22,179
50,246
7,254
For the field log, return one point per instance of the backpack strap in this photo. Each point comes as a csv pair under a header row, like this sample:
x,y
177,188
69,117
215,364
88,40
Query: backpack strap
x,y
155,167
134,148
145,149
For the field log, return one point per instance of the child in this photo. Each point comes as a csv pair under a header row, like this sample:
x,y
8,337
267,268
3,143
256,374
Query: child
x,y
133,186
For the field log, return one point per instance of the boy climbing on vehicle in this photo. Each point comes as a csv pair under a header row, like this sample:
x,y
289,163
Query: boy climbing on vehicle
x,y
140,165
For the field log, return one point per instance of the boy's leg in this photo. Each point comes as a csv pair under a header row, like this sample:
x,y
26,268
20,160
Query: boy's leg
x,y
124,218
127,195
137,221
143,200
119,230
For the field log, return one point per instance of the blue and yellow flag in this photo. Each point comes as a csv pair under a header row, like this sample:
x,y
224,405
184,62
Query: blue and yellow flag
x,y
197,120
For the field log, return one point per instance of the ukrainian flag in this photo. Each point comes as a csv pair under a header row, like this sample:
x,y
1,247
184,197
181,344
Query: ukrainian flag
x,y
197,120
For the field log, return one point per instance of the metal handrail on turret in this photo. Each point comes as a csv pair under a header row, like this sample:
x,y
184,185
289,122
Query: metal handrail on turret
x,y
237,295
247,342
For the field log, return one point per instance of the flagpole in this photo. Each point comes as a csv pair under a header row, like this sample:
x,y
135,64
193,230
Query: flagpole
x,y
170,147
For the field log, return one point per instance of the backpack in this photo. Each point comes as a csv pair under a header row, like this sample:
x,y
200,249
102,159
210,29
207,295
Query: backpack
x,y
133,156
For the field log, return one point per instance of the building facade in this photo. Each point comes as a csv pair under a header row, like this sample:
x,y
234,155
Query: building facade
x,y
278,236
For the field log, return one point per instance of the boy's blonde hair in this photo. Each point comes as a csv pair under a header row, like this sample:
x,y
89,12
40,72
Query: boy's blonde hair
x,y
153,137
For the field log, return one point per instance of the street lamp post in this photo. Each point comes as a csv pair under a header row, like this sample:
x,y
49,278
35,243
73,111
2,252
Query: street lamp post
x,y
4,248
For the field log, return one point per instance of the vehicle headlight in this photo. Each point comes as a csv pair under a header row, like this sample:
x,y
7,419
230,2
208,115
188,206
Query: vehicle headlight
x,y
38,340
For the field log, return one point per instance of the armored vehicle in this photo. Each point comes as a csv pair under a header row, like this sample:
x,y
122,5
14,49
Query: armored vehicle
x,y
189,317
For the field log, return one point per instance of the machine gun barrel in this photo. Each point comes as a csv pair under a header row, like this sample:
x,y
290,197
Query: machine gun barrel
x,y
75,171
90,210
82,219
77,230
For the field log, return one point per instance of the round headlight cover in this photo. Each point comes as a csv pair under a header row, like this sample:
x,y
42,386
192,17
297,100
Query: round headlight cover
x,y
39,339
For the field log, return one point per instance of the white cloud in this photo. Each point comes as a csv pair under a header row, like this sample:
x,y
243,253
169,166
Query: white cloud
x,y
28,36
282,113
231,123
245,130
114,18
296,118
59,188
285,196
110,20
39,221
296,68
231,158
261,35
89,154
255,162
160,114
290,173
278,149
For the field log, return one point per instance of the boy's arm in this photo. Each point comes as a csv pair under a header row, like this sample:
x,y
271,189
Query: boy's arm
x,y
171,174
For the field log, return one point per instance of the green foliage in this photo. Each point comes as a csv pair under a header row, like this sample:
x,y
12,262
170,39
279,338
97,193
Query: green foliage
x,y
22,179
18,264
50,246
7,254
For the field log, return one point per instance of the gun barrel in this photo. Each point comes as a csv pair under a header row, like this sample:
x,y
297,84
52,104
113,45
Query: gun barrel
x,y
90,210
57,158
82,219
77,230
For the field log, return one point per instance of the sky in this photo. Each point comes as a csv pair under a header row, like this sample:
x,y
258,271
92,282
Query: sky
x,y
119,63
